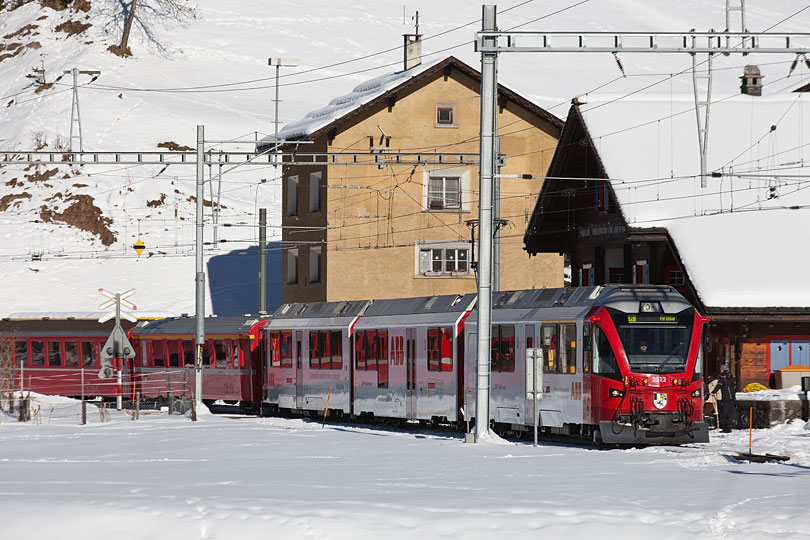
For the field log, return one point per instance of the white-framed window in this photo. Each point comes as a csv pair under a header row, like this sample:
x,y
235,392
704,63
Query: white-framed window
x,y
314,192
446,190
443,259
315,265
292,266
292,195
446,115
444,193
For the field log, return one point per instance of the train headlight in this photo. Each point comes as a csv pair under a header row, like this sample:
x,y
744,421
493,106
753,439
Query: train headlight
x,y
615,392
696,393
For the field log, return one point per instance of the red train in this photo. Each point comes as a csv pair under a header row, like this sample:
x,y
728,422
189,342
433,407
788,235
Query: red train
x,y
232,359
49,353
620,363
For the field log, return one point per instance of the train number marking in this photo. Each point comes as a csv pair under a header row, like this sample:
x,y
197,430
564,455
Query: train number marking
x,y
576,390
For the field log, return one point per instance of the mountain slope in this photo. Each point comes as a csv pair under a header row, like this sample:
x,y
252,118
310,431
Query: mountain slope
x,y
212,70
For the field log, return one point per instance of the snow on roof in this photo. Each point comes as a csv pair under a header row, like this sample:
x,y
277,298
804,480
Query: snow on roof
x,y
81,315
741,237
360,95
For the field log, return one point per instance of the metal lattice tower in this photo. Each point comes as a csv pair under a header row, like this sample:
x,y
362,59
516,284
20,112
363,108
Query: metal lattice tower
x,y
75,113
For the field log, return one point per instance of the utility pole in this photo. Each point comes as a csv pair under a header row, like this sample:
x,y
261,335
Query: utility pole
x,y
75,114
486,42
262,261
279,62
489,89
199,336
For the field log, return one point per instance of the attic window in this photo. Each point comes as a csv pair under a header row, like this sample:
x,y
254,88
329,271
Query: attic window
x,y
445,114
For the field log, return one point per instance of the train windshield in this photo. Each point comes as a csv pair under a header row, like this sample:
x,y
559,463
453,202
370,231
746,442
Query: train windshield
x,y
655,342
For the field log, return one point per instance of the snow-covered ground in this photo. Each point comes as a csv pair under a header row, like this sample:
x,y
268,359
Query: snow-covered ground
x,y
223,478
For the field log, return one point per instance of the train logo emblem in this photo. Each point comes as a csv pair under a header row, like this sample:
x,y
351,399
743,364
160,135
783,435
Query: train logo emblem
x,y
660,400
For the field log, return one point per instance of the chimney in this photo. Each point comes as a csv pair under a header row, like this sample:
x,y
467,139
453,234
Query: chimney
x,y
413,47
751,81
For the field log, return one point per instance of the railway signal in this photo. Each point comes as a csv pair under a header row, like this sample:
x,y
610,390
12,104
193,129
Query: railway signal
x,y
117,345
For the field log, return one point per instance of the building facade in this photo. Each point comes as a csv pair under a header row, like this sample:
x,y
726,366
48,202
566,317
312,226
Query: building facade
x,y
623,202
384,229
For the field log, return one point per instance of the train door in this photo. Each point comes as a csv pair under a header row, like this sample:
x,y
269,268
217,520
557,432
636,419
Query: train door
x,y
299,372
531,342
410,368
470,374
550,407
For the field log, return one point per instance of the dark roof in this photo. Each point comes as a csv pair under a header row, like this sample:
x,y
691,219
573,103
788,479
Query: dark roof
x,y
449,303
58,328
187,326
350,308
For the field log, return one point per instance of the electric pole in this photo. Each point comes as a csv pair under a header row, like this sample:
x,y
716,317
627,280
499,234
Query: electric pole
x,y
486,171
75,114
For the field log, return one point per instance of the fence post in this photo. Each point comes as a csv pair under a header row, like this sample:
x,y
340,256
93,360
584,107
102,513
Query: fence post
x,y
84,403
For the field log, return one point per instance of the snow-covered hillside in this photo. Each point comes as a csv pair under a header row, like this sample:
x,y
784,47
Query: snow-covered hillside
x,y
212,70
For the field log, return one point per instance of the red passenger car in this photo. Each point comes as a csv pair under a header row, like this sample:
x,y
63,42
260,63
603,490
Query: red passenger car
x,y
48,352
231,359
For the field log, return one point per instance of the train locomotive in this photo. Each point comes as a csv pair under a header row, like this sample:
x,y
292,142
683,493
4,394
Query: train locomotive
x,y
621,364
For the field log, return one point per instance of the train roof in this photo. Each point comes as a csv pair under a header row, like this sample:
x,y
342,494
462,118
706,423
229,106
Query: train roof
x,y
328,314
187,326
48,327
572,302
419,311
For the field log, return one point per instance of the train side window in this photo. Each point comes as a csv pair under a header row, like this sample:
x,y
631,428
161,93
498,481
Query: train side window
x,y
447,349
549,345
382,358
275,349
336,350
238,361
315,350
361,351
507,347
54,353
220,355
206,354
21,353
37,353
88,354
71,353
568,350
372,353
502,350
157,353
188,352
587,349
433,349
286,349
174,353
604,361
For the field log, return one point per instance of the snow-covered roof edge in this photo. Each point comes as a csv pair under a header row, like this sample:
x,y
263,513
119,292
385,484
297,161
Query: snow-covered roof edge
x,y
370,92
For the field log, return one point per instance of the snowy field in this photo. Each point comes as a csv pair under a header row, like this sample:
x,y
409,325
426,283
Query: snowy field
x,y
225,478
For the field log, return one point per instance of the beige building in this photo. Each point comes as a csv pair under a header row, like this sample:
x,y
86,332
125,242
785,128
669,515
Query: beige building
x,y
387,229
